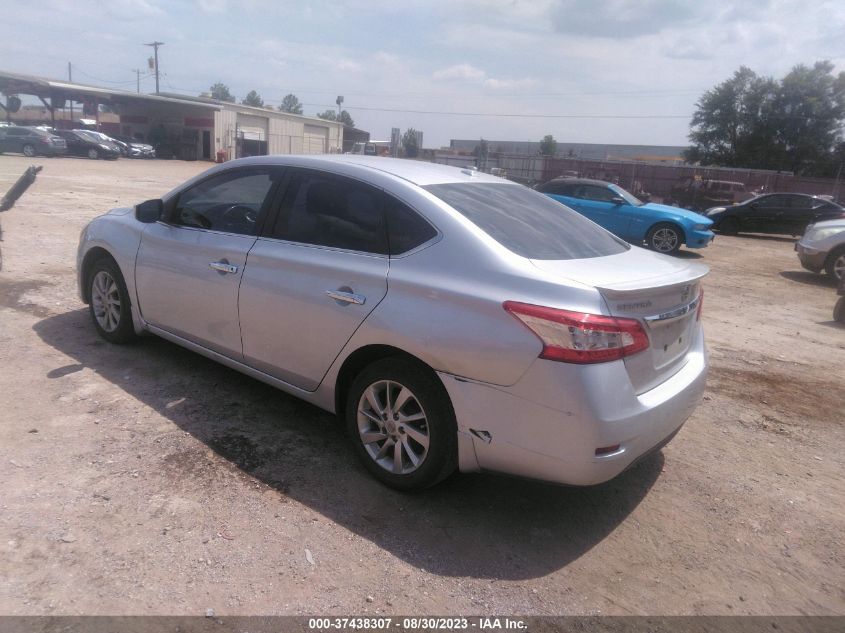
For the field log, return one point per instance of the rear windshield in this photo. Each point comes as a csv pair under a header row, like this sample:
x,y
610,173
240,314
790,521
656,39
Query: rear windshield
x,y
528,223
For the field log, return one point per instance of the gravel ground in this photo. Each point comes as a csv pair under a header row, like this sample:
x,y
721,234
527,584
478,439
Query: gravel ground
x,y
146,479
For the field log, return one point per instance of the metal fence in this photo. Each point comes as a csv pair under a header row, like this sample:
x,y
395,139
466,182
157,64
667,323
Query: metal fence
x,y
654,178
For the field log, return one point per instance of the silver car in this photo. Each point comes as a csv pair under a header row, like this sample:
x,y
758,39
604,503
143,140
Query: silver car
x,y
822,247
452,320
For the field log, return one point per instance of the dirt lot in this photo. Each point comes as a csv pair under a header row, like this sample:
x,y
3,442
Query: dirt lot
x,y
148,480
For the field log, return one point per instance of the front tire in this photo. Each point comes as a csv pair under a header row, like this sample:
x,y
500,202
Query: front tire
x,y
664,238
835,263
28,150
401,424
109,303
93,154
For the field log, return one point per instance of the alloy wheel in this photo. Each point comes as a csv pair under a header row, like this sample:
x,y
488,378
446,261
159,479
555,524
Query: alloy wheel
x,y
105,298
664,240
392,426
28,151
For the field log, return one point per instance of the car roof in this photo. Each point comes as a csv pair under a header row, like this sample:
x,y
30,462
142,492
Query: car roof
x,y
582,181
418,172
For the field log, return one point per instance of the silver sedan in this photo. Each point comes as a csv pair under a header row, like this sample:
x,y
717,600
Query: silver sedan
x,y
452,320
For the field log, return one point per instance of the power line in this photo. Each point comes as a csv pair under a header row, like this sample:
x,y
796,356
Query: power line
x,y
512,115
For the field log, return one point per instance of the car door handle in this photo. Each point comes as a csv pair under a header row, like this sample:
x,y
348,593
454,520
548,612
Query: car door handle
x,y
346,297
224,267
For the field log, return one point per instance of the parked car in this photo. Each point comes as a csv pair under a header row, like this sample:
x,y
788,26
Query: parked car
x,y
661,227
86,143
124,148
137,149
822,247
30,141
699,195
506,322
785,213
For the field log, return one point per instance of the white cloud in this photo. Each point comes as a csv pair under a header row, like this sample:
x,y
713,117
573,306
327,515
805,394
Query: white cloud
x,y
212,6
459,72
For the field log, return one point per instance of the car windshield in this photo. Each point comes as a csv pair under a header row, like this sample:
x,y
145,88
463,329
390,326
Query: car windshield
x,y
629,198
528,223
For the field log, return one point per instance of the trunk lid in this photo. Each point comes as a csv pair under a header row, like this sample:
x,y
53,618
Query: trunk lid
x,y
661,292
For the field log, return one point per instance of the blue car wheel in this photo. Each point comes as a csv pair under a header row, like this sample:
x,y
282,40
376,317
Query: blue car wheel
x,y
664,238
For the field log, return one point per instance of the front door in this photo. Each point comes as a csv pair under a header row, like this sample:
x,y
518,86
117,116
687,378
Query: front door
x,y
597,204
313,277
189,267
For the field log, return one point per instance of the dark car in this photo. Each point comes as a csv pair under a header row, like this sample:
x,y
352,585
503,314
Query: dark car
x,y
699,195
785,213
31,141
84,143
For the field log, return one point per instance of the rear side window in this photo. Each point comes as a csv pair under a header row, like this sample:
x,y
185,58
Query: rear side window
x,y
528,223
405,228
328,210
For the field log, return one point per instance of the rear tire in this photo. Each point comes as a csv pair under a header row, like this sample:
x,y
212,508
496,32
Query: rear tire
x,y
401,424
834,265
728,226
109,305
28,150
664,238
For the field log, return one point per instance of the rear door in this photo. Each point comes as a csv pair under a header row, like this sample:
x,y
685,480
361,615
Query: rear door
x,y
189,268
798,214
765,214
316,272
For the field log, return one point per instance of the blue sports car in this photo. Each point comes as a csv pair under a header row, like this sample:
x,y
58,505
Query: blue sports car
x,y
661,227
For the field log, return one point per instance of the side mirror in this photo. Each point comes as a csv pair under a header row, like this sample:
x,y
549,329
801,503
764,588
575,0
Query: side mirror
x,y
149,211
617,200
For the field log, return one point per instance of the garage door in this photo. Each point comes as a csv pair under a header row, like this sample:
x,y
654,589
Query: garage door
x,y
316,140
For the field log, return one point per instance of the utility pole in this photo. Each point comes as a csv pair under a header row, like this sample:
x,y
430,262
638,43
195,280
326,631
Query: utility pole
x,y
155,46
137,78
338,101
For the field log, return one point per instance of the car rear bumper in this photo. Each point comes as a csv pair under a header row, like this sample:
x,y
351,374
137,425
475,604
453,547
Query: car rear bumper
x,y
53,151
811,258
699,239
549,425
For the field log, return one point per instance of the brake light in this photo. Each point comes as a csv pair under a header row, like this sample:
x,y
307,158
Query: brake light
x,y
578,337
700,303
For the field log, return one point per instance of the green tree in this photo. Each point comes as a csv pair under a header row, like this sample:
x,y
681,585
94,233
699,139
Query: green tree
x,y
253,99
793,124
732,122
331,115
291,104
220,91
548,146
409,143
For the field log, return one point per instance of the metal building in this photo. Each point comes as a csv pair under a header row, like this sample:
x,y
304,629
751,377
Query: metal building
x,y
190,128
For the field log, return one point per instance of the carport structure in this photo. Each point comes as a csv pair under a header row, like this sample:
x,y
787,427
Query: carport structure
x,y
190,128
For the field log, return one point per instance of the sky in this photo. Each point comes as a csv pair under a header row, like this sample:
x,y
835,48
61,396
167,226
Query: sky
x,y
585,71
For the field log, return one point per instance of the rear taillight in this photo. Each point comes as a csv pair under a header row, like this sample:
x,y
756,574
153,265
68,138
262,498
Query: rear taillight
x,y
578,337
700,304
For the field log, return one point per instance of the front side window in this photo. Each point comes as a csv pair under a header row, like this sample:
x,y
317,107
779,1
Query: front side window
x,y
600,194
229,202
329,210
528,223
